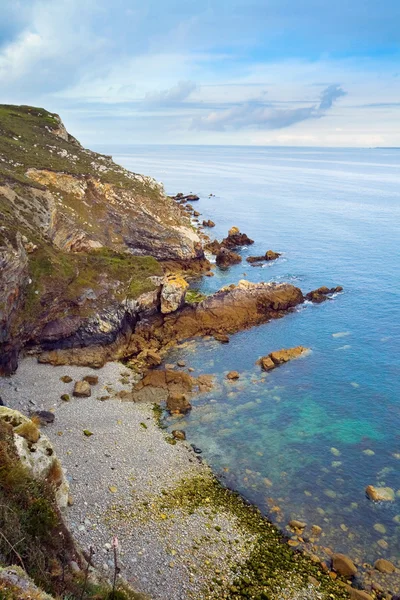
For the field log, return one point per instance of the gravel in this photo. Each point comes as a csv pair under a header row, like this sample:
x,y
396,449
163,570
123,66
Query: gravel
x,y
118,473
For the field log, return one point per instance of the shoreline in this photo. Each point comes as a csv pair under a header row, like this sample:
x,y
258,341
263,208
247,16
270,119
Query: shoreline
x,y
182,534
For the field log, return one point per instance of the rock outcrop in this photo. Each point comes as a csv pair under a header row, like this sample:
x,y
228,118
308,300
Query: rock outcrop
x,y
269,255
380,494
173,293
235,239
225,258
36,452
80,236
323,293
274,359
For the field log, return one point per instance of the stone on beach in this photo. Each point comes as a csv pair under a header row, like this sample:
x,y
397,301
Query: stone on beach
x,y
91,379
233,375
384,566
82,389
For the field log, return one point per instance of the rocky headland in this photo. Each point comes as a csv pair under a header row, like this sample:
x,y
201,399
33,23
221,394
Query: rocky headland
x,y
95,265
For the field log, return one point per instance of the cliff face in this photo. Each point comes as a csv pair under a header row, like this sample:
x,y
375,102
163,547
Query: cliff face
x,y
79,235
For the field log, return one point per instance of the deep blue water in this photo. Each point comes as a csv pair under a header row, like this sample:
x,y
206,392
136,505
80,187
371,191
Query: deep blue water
x,y
297,437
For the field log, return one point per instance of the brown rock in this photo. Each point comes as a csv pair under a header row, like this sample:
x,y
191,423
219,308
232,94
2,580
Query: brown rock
x,y
269,255
321,294
66,379
181,363
226,257
214,247
150,357
235,238
380,494
178,434
178,404
233,375
359,595
316,530
82,389
294,524
274,359
384,566
221,337
208,223
343,565
91,379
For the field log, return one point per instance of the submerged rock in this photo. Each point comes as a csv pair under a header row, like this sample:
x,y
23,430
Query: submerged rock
x,y
233,375
384,566
178,404
380,494
274,359
343,565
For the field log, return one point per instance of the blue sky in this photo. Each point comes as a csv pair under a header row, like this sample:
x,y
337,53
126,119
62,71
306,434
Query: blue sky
x,y
280,72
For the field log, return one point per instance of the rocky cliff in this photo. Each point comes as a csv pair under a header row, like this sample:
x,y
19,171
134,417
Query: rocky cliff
x,y
80,237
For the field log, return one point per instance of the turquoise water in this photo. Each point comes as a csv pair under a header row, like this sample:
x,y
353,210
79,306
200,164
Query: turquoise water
x,y
297,438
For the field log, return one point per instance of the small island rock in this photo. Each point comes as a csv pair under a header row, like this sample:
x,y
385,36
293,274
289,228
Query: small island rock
x,y
380,494
226,257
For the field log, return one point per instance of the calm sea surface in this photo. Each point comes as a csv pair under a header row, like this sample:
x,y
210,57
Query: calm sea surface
x,y
314,433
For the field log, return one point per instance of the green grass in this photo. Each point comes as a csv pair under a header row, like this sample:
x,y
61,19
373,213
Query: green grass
x,y
65,276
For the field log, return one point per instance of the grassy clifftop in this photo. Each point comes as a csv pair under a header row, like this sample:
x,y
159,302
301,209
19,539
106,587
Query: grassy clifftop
x,y
79,234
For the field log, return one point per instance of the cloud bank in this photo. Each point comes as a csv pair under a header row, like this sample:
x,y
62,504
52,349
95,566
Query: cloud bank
x,y
252,115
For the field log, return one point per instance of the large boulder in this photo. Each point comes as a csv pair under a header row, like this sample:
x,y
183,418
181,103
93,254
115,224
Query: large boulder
x,y
38,456
274,359
343,565
235,238
173,293
178,404
384,566
226,258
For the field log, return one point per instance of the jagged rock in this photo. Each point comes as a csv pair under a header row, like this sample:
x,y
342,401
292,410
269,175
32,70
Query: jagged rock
x,y
235,238
82,389
380,494
150,357
274,359
384,566
91,379
178,404
269,255
173,293
39,457
208,223
226,257
321,294
213,247
343,565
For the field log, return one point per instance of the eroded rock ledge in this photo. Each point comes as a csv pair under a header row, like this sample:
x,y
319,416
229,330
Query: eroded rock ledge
x,y
228,311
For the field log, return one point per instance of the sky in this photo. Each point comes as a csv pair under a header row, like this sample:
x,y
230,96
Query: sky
x,y
243,72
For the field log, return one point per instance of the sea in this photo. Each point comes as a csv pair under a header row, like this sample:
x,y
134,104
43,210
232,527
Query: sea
x,y
304,441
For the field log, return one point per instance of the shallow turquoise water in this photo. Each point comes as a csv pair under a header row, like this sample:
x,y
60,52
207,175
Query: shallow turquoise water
x,y
296,438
